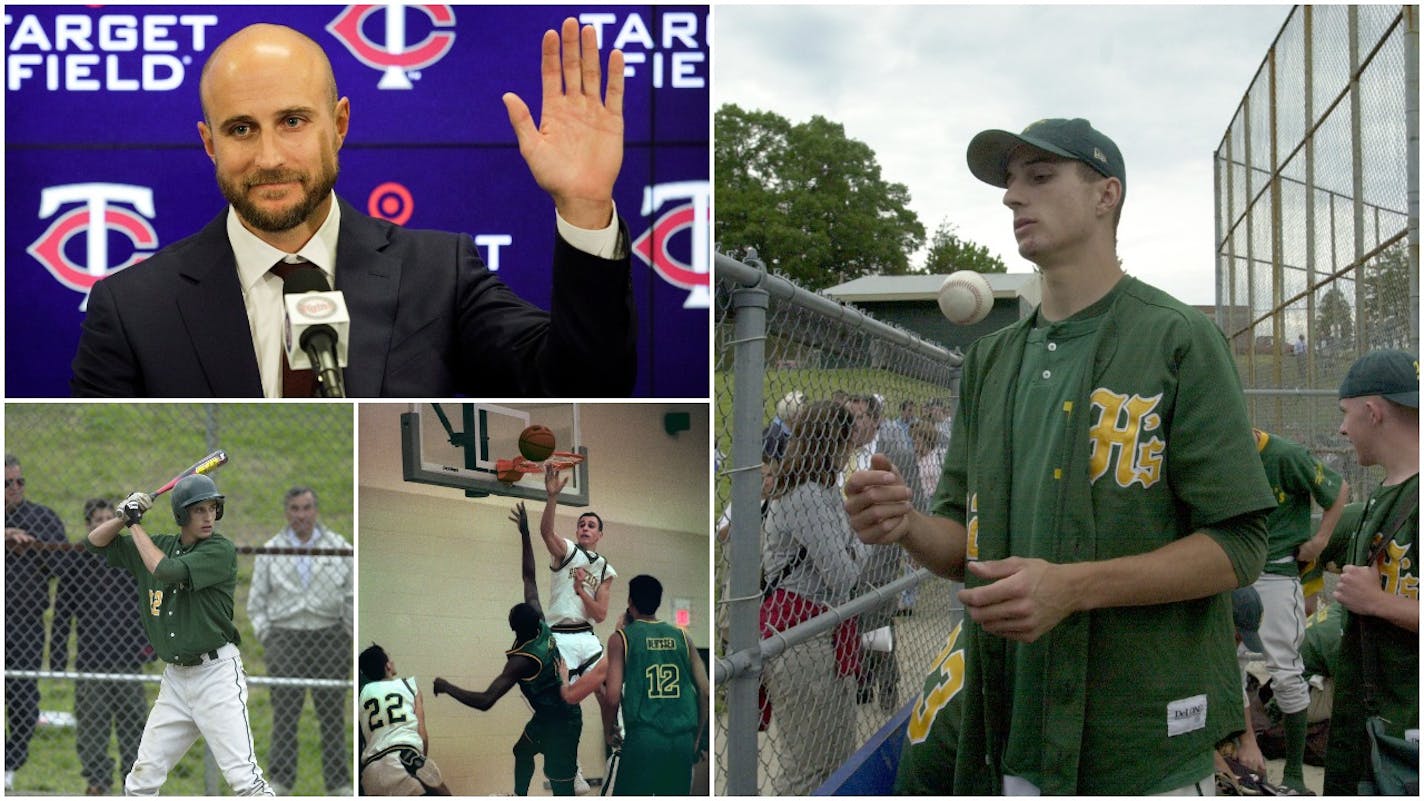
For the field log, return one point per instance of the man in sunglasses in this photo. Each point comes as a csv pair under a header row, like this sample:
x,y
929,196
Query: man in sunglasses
x,y
27,573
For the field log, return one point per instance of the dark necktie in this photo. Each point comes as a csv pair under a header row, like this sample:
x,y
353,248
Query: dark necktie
x,y
295,383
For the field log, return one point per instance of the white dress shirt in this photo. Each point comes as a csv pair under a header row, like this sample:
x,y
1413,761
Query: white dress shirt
x,y
262,289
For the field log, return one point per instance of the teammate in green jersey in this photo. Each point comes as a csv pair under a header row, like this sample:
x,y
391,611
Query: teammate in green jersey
x,y
1100,498
532,663
185,584
1296,477
1378,665
658,683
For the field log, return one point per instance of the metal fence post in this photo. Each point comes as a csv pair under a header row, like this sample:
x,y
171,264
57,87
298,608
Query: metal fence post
x,y
744,605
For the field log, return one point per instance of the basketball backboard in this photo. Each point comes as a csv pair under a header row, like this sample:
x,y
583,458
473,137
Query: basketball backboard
x,y
461,445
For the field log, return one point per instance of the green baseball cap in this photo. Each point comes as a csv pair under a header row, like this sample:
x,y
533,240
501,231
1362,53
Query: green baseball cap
x,y
1074,139
1393,374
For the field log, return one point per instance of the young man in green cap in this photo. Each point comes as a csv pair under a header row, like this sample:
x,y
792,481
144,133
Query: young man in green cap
x,y
1100,498
1379,582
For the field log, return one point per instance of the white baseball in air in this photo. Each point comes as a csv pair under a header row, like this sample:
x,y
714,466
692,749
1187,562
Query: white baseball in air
x,y
965,297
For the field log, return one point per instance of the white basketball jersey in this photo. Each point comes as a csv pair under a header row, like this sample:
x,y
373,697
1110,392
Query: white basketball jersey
x,y
388,716
565,606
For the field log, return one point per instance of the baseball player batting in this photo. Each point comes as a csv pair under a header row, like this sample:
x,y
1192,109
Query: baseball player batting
x,y
186,583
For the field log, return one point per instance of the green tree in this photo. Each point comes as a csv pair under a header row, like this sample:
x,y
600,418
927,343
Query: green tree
x,y
1386,306
811,201
949,253
1334,324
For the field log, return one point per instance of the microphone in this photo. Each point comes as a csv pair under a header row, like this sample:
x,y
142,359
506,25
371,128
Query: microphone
x,y
315,329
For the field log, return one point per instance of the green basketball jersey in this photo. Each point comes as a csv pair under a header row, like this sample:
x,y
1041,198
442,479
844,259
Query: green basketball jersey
x,y
1296,477
658,690
189,612
541,688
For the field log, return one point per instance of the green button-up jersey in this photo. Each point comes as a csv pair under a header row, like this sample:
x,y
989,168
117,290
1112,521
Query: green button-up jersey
x,y
187,612
1296,476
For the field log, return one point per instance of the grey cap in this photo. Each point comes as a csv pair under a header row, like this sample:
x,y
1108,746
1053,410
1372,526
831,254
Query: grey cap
x,y
1246,608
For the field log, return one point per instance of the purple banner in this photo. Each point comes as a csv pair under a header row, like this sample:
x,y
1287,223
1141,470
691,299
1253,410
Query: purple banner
x,y
104,165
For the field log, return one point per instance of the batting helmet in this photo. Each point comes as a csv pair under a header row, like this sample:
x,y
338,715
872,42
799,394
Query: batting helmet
x,y
191,490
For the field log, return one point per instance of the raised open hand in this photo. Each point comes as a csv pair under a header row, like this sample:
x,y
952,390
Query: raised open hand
x,y
576,151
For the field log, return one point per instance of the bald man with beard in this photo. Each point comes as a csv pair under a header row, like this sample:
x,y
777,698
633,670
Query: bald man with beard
x,y
203,317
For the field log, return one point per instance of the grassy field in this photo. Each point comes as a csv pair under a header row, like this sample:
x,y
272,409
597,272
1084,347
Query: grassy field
x,y
72,452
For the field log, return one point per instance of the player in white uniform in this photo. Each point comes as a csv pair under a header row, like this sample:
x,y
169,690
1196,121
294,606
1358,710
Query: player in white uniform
x,y
579,591
393,737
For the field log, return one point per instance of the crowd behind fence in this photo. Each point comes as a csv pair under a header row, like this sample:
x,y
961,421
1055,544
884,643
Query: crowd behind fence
x,y
821,639
1317,210
80,674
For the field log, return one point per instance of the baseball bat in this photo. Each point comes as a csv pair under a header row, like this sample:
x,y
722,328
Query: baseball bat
x,y
205,465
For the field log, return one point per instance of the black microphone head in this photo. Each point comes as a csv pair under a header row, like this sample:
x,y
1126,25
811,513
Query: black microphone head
x,y
308,278
320,335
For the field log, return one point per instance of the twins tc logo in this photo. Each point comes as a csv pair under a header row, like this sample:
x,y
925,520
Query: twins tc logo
x,y
653,245
95,218
399,60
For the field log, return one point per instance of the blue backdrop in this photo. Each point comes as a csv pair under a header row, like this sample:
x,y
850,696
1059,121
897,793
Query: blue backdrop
x,y
104,165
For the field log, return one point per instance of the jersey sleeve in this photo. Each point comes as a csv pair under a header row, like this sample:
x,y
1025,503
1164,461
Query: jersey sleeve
x,y
1212,462
120,552
950,497
1337,551
1302,472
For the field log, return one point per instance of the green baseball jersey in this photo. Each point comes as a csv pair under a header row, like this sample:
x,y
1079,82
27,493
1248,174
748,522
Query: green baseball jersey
x,y
541,687
1296,477
1378,665
932,732
1320,650
1312,576
658,688
1154,441
186,602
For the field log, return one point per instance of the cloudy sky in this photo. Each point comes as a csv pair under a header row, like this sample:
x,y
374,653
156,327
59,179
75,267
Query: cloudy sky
x,y
916,83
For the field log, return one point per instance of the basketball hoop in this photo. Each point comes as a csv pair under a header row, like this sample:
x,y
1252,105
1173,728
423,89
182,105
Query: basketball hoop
x,y
511,471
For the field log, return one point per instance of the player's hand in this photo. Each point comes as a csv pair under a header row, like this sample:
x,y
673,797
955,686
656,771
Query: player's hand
x,y
579,575
1027,598
554,480
441,685
577,150
878,503
1309,551
133,507
1359,588
1248,753
520,518
563,671
16,537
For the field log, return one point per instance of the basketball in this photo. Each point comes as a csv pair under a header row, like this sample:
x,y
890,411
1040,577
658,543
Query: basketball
x,y
536,443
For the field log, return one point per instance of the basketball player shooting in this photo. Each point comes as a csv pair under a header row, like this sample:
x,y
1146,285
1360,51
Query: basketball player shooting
x,y
579,591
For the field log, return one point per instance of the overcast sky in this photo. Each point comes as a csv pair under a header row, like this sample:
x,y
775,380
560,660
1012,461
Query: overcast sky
x,y
916,83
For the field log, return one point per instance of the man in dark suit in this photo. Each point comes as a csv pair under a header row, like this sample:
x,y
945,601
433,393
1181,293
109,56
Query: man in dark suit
x,y
203,316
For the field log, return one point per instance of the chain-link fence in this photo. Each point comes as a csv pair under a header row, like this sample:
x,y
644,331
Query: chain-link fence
x,y
1317,214
80,673
821,639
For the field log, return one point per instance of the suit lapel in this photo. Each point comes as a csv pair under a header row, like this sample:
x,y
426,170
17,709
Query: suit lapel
x,y
209,300
369,280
